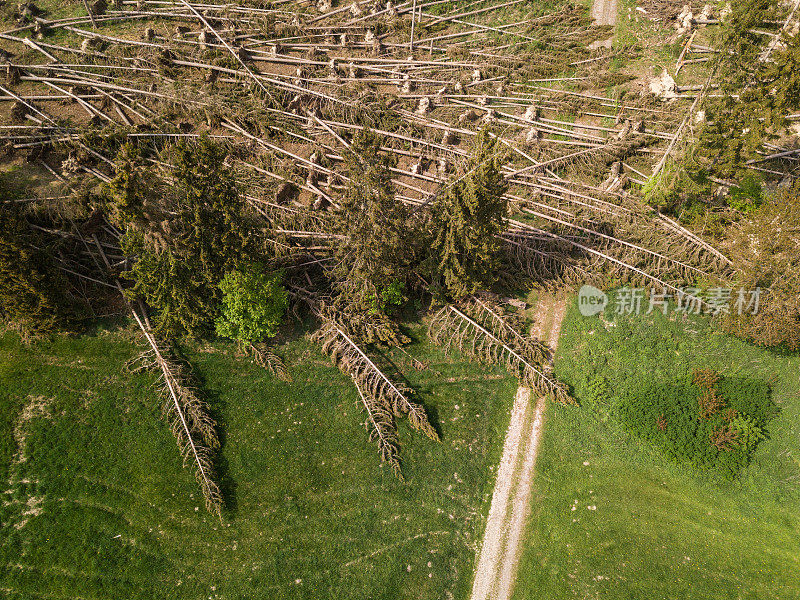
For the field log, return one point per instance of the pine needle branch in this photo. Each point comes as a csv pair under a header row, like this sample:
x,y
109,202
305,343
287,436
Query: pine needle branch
x,y
451,326
265,357
190,423
533,350
352,360
381,427
188,416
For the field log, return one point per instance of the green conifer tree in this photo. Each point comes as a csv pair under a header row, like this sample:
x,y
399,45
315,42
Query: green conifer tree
x,y
757,94
373,255
32,290
466,220
186,234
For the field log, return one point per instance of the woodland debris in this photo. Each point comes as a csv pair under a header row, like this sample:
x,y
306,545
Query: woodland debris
x,y
425,105
663,86
685,20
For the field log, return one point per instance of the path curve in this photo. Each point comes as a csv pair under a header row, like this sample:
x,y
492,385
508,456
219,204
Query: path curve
x,y
510,507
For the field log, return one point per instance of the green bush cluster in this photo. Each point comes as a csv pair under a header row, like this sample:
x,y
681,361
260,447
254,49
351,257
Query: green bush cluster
x,y
598,391
721,438
645,375
253,304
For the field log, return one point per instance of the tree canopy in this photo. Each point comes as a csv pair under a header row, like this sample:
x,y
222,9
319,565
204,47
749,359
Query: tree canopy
x,y
253,304
766,246
757,93
32,289
186,232
372,255
467,218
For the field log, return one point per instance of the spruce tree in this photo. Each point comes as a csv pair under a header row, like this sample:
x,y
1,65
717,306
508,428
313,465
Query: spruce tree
x,y
783,79
33,294
467,219
757,94
186,234
766,249
372,255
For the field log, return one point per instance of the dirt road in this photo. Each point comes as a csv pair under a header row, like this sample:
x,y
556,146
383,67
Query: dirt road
x,y
604,12
499,556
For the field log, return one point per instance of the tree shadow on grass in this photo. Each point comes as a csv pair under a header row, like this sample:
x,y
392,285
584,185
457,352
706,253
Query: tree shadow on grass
x,y
389,368
217,408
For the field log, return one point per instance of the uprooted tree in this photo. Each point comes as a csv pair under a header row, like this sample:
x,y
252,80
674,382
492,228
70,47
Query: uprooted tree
x,y
358,222
196,261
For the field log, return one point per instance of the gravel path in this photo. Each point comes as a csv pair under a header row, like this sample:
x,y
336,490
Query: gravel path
x,y
499,556
604,12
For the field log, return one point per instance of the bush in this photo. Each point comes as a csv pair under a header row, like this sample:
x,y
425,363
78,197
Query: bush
x,y
391,295
682,422
748,195
253,304
598,391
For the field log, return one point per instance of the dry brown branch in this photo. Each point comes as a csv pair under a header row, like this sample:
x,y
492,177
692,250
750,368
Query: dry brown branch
x,y
382,429
265,357
352,360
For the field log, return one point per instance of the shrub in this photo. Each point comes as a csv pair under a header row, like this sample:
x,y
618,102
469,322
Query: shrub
x,y
748,195
710,422
749,434
705,378
598,391
391,295
253,304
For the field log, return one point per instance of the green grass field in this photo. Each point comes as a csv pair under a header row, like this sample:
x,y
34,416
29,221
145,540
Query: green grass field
x,y
98,504
643,527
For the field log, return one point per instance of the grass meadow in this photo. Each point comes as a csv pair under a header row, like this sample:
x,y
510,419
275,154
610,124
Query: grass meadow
x,y
97,504
614,519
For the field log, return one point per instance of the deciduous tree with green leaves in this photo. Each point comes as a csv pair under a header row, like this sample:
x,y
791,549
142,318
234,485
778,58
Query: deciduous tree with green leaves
x,y
253,304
